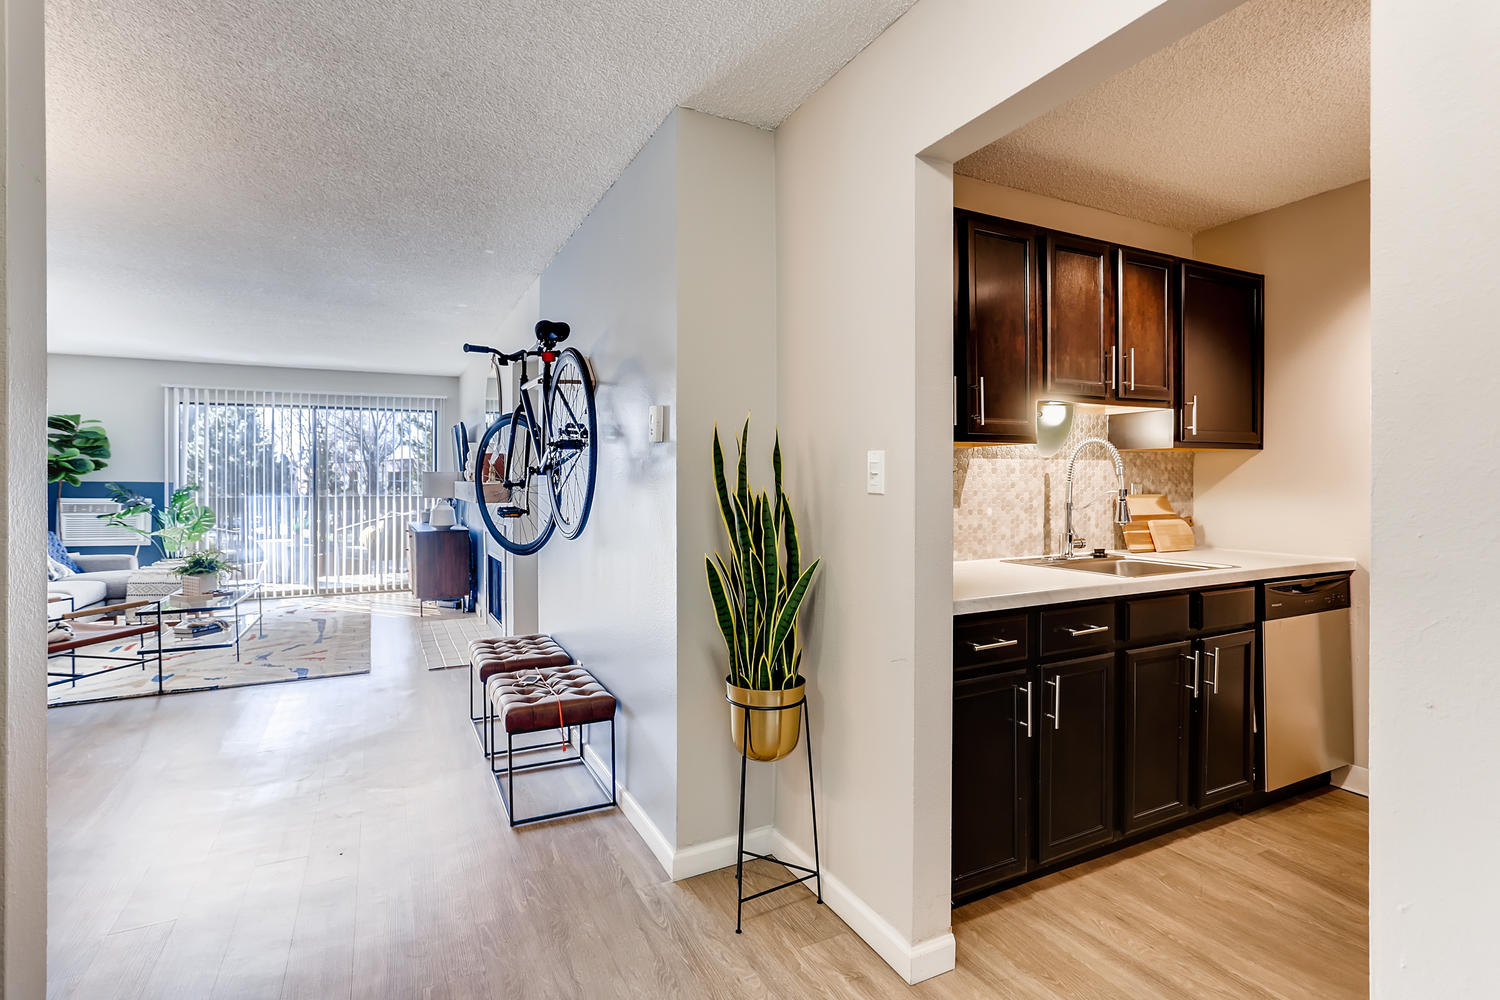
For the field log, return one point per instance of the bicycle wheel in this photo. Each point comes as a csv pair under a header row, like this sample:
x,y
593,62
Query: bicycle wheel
x,y
519,518
572,443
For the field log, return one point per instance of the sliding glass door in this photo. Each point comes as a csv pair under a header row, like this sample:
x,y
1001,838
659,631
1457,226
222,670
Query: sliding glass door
x,y
312,492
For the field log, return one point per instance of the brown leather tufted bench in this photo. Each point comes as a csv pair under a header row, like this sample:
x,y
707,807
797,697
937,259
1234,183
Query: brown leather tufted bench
x,y
562,698
502,655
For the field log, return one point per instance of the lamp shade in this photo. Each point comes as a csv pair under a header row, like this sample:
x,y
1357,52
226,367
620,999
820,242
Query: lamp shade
x,y
437,485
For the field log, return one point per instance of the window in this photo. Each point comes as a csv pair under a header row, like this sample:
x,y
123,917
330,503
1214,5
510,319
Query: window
x,y
312,492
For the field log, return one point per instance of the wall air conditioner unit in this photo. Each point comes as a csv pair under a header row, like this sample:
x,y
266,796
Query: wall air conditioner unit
x,y
80,526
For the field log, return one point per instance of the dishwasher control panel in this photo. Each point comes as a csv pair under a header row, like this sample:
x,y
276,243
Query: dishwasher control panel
x,y
1291,598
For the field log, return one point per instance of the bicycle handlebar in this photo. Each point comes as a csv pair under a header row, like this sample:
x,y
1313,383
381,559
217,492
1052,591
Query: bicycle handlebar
x,y
479,349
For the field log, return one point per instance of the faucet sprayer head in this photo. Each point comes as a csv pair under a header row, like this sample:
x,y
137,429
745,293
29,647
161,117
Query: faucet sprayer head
x,y
1122,509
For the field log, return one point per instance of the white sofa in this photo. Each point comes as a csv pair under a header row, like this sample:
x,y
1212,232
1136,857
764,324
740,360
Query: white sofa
x,y
103,580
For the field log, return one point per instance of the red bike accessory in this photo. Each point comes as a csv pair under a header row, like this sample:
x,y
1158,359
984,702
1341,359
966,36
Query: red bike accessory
x,y
549,356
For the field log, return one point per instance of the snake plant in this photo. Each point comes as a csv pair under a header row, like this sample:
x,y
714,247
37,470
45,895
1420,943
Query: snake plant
x,y
758,591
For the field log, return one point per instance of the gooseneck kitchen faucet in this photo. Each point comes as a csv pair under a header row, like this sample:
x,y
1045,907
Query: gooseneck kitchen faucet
x,y
1122,506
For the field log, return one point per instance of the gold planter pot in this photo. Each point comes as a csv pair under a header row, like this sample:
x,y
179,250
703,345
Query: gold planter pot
x,y
773,734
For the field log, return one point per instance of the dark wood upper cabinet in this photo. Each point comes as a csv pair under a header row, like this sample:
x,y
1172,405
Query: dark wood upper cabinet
x,y
1222,383
1226,707
1075,756
1146,325
1157,718
996,350
1042,314
991,779
1080,318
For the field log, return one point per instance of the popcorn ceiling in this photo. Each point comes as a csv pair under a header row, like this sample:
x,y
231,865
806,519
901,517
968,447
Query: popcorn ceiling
x,y
367,184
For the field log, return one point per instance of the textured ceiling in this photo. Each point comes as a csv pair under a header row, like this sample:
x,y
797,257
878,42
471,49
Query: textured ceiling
x,y
367,184
1264,106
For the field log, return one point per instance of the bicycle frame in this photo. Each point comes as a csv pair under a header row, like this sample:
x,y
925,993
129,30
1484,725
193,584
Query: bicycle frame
x,y
524,405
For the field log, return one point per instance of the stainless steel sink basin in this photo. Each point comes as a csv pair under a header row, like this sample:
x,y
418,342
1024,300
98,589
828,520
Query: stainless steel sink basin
x,y
1121,565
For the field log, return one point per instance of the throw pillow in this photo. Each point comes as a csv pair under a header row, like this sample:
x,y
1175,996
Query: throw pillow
x,y
57,550
56,570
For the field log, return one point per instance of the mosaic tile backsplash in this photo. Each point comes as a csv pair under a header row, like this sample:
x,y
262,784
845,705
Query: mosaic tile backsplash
x,y
1008,502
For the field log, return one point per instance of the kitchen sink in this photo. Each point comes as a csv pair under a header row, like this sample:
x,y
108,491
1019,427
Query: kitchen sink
x,y
1120,565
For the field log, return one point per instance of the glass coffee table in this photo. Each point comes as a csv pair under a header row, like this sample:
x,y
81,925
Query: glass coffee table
x,y
229,607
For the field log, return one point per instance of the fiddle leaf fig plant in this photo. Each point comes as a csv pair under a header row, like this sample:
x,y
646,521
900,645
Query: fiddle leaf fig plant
x,y
75,448
759,590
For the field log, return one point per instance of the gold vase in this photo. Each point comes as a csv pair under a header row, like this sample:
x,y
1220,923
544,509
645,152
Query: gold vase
x,y
773,734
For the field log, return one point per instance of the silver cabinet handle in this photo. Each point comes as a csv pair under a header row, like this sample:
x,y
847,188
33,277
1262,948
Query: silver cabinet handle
x,y
1113,378
1132,369
1193,687
981,400
955,401
1056,715
1026,693
1213,684
1083,630
1192,428
997,644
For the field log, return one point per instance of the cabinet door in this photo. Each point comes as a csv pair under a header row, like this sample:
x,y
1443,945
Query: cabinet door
x,y
1080,318
1222,358
1226,746
1076,760
996,347
1157,718
991,768
1146,325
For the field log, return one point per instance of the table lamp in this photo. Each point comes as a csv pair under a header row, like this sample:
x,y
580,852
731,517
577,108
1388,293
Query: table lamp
x,y
439,486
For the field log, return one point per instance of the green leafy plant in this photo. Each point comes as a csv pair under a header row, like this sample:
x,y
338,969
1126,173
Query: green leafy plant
x,y
75,448
758,592
204,563
174,528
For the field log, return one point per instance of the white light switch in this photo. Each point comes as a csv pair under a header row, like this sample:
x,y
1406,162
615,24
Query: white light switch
x,y
658,424
875,472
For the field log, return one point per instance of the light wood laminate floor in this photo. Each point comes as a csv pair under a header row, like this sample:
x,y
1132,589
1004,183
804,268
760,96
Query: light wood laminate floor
x,y
340,838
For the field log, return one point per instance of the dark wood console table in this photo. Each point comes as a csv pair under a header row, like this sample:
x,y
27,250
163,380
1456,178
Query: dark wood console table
x,y
437,560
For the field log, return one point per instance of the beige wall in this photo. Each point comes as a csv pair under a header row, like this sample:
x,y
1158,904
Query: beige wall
x,y
865,300
669,286
1434,686
23,346
1309,490
1040,210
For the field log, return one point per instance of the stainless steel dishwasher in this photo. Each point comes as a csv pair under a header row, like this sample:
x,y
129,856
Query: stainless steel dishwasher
x,y
1308,685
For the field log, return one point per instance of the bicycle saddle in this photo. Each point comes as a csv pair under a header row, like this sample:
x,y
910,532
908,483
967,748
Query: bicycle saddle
x,y
551,333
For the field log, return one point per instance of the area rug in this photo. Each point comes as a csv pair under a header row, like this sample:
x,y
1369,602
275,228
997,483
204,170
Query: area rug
x,y
299,640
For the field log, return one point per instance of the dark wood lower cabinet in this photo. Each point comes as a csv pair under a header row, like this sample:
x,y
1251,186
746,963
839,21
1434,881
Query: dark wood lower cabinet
x,y
1157,720
1081,727
991,778
1226,706
1075,756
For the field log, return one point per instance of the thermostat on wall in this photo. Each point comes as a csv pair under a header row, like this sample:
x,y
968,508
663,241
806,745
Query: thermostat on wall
x,y
658,424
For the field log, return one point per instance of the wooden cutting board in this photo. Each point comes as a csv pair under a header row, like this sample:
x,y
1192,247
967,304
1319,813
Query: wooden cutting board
x,y
1138,537
1171,534
1149,506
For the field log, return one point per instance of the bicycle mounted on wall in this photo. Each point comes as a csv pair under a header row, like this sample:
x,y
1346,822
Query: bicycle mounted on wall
x,y
536,465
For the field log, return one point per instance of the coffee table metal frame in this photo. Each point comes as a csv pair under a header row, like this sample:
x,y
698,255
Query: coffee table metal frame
x,y
228,600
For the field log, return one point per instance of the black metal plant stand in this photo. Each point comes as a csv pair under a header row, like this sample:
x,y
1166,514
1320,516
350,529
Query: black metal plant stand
x,y
813,873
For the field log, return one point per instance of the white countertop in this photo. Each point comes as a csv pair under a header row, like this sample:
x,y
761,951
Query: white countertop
x,y
999,585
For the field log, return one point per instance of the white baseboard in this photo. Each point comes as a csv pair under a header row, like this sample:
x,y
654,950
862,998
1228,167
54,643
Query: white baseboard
x,y
913,961
678,863
1354,779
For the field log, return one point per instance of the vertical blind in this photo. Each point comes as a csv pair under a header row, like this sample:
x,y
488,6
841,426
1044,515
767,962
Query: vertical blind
x,y
311,492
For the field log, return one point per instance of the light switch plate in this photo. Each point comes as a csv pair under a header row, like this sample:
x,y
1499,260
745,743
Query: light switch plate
x,y
875,472
657,424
